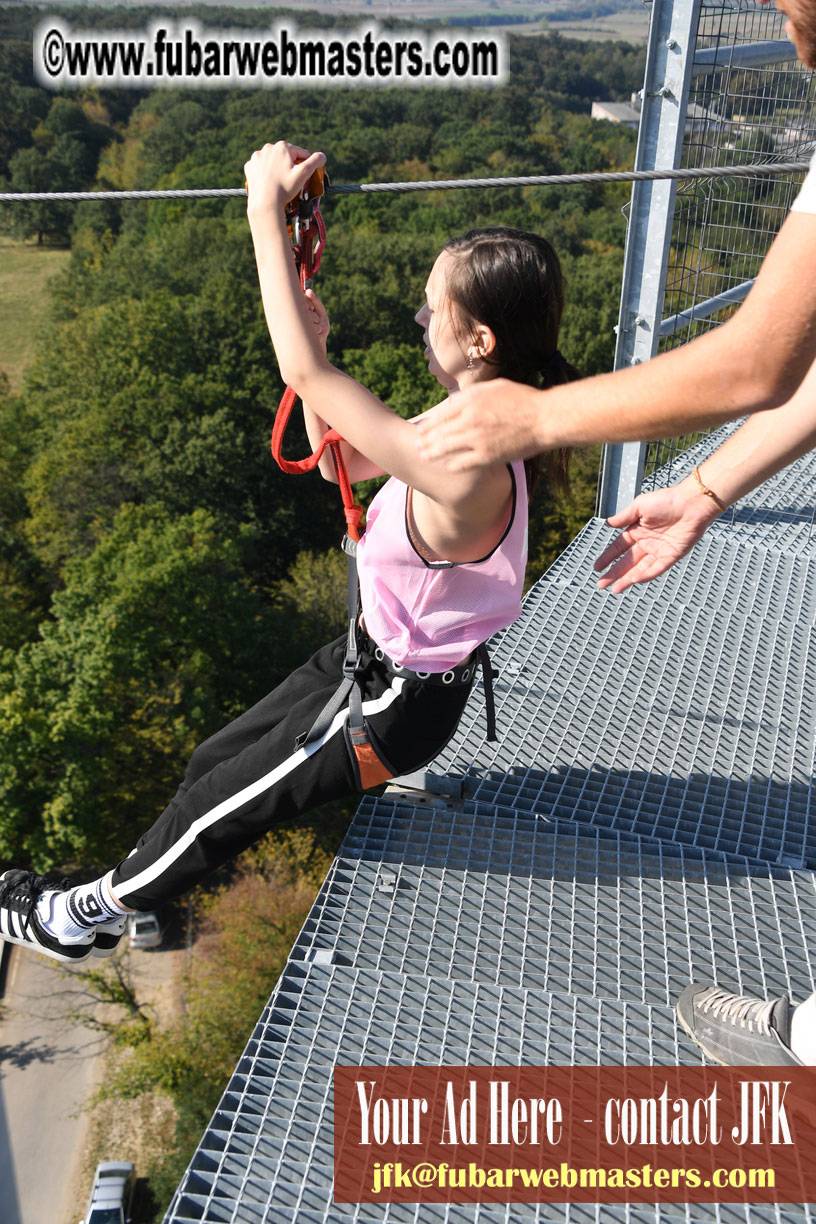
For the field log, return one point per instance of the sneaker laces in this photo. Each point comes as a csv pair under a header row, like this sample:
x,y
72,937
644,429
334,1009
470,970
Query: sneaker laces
x,y
742,1010
25,891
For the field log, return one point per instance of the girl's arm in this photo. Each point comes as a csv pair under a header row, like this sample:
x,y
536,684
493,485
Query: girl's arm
x,y
388,441
357,466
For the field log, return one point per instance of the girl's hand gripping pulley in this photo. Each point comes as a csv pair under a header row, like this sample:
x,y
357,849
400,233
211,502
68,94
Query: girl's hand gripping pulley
x,y
307,232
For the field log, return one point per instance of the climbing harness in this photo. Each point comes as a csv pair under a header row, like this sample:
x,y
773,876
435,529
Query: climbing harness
x,y
307,233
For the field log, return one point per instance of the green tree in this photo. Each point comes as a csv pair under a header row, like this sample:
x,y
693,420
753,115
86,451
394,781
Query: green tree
x,y
591,313
23,586
397,373
166,397
315,599
23,107
30,170
154,642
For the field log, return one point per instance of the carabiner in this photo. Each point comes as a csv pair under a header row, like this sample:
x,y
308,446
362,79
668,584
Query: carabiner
x,y
302,208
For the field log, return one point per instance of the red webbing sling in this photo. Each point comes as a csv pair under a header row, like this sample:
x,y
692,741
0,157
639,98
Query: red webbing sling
x,y
304,223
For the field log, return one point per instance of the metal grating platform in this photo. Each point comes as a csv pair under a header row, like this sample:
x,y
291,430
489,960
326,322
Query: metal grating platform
x,y
684,710
268,1154
780,514
495,896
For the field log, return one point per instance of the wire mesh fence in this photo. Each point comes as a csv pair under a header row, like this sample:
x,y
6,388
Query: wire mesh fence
x,y
740,110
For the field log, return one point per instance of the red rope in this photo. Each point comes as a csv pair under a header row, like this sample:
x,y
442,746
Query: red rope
x,y
308,261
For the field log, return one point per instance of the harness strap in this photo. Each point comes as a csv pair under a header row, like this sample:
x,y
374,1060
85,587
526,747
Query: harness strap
x,y
488,676
327,715
352,655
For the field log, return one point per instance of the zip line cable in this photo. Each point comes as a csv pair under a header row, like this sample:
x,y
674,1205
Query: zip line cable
x,y
530,180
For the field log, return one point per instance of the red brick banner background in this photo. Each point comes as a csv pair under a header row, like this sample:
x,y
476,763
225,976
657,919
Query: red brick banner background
x,y
575,1134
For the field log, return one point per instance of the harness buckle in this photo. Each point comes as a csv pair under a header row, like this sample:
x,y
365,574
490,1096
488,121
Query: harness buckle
x,y
349,668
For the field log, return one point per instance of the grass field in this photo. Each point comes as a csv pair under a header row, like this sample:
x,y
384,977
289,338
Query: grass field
x,y
25,270
630,25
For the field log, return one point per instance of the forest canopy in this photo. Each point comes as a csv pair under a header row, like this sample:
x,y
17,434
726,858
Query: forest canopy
x,y
158,572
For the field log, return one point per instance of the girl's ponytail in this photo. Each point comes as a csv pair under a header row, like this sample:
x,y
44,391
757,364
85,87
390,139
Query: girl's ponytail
x,y
554,372
510,281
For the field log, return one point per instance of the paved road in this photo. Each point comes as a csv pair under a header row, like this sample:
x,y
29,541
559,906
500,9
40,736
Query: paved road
x,y
46,1071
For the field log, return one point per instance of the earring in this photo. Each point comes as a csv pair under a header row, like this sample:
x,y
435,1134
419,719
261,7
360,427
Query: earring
x,y
470,362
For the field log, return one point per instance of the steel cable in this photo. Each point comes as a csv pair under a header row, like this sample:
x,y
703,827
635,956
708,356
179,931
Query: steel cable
x,y
530,180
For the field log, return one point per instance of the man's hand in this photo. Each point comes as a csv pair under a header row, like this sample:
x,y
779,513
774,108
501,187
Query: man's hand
x,y
489,422
658,529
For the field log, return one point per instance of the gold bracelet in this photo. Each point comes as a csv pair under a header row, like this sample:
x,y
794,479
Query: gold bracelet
x,y
709,492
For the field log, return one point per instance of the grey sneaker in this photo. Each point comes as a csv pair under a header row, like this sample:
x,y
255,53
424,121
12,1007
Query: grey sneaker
x,y
108,935
736,1030
19,893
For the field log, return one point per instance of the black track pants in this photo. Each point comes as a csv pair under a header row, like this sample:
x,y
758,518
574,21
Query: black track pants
x,y
252,774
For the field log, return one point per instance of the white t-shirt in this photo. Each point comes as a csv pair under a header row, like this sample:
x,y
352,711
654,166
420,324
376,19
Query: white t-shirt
x,y
806,199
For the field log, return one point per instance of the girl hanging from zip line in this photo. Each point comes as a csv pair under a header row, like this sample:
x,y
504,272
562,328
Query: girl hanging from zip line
x,y
441,568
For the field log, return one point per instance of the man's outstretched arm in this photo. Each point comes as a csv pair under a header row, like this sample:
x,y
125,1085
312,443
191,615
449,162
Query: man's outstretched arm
x,y
752,363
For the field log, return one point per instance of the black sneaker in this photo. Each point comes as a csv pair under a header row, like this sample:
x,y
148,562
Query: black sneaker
x,y
19,893
108,935
736,1030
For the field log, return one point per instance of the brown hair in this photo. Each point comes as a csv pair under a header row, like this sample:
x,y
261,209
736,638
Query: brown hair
x,y
510,281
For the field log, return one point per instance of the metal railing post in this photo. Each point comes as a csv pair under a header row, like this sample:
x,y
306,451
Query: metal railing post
x,y
669,57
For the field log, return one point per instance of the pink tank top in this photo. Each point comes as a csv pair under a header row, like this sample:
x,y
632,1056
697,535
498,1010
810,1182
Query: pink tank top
x,y
429,616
